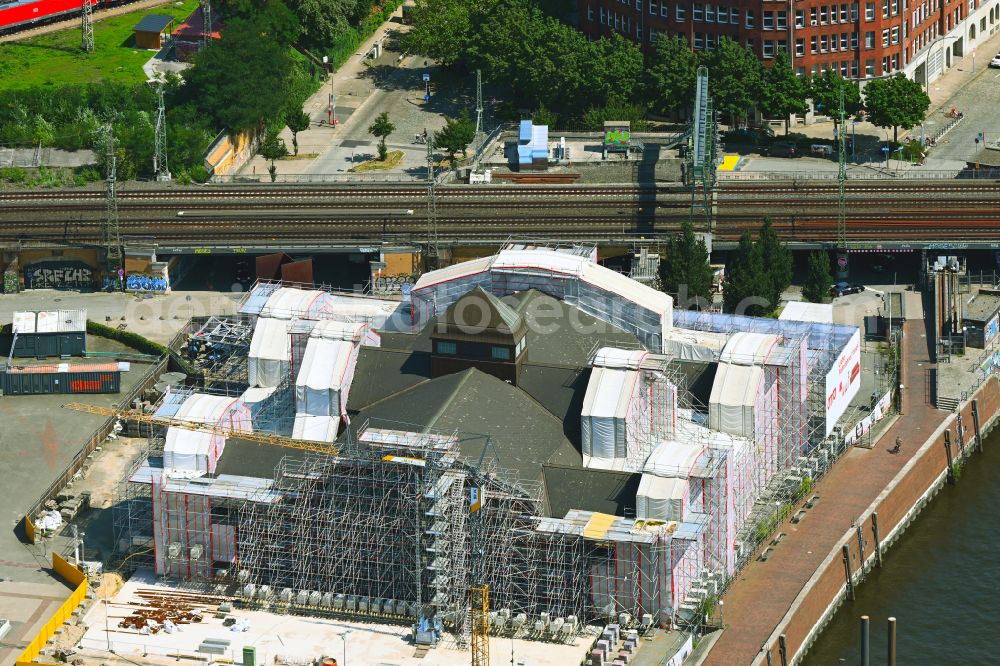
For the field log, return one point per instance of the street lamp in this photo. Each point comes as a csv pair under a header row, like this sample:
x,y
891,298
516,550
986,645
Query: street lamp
x,y
927,58
343,639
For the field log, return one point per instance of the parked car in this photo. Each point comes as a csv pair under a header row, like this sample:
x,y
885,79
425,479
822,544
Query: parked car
x,y
844,288
996,61
782,149
821,150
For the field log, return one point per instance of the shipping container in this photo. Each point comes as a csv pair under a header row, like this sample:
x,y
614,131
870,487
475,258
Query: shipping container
x,y
45,334
63,378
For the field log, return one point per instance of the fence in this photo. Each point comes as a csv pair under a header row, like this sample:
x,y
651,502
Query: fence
x,y
364,177
874,174
79,582
95,440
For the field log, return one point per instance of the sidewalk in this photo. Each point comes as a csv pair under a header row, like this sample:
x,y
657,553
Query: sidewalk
x,y
764,591
352,91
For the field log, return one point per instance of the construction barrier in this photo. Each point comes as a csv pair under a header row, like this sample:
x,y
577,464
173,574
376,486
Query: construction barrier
x,y
29,529
76,578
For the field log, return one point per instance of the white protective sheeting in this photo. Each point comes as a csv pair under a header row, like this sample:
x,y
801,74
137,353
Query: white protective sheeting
x,y
270,352
821,313
609,357
315,428
660,498
290,303
376,312
605,406
738,382
192,453
24,322
688,345
324,379
453,272
673,459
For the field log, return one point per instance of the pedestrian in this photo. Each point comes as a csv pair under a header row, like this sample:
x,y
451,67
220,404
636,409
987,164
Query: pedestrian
x,y
899,443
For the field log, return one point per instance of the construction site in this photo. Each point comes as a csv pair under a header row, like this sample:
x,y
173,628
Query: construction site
x,y
527,446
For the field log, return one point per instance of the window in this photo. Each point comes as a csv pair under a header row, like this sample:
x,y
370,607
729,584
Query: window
x,y
749,18
500,353
590,13
885,64
843,41
800,71
603,21
885,37
638,5
652,35
833,42
697,13
843,13
652,9
734,16
750,44
783,45
665,12
447,348
768,48
824,44
638,33
895,35
800,46
800,18
885,8
854,69
782,20
679,11
895,62
869,11
895,7
854,40
812,16
869,68
870,39
854,12
768,20
823,14
710,13
723,16
711,41
699,41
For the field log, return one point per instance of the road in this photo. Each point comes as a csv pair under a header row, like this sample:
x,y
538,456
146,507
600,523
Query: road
x,y
978,100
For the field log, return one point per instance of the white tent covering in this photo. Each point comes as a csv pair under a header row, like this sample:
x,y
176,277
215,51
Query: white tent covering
x,y
374,311
315,428
821,313
192,453
738,382
324,380
605,408
270,352
688,345
289,303
660,498
674,459
568,275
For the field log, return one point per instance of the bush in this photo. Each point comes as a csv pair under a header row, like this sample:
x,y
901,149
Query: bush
x,y
199,173
13,174
139,343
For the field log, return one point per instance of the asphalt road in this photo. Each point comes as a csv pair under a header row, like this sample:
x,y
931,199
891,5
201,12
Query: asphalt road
x,y
978,100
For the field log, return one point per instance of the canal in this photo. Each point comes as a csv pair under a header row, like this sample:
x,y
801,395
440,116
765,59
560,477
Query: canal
x,y
940,582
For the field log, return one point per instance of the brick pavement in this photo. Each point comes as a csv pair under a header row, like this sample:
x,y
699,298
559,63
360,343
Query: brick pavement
x,y
763,593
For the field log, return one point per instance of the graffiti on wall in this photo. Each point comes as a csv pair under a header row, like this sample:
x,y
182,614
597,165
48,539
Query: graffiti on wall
x,y
139,282
392,284
58,275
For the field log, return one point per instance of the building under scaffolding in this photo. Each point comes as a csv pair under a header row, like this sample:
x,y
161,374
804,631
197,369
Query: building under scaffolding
x,y
547,428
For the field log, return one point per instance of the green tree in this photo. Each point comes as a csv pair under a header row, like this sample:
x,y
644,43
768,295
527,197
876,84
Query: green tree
x,y
43,133
324,21
244,84
670,75
736,79
747,281
785,91
456,135
297,121
686,273
818,278
778,262
272,148
380,128
442,29
595,117
544,116
826,89
896,102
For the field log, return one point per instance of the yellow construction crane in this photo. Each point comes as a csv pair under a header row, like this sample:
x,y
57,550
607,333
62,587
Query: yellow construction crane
x,y
480,602
211,428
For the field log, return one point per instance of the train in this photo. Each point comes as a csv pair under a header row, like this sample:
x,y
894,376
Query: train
x,y
23,14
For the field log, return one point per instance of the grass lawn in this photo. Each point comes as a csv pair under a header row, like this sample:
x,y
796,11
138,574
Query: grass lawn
x,y
56,58
392,161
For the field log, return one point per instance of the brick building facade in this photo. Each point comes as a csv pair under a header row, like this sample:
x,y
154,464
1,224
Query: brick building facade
x,y
861,39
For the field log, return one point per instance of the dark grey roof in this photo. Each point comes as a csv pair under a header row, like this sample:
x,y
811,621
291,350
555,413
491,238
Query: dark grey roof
x,y
604,491
243,458
522,433
383,372
560,391
982,307
153,23
478,309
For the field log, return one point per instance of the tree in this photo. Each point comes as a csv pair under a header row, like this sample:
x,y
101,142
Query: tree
x,y
896,102
272,148
297,121
442,29
785,91
747,282
324,21
686,272
670,75
244,84
818,278
826,89
380,128
736,79
544,116
778,262
456,135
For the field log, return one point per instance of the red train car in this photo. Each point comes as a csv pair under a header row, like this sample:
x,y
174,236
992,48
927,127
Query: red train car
x,y
21,14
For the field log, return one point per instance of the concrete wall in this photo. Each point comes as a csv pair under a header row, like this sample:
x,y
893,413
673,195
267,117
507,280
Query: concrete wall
x,y
896,506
